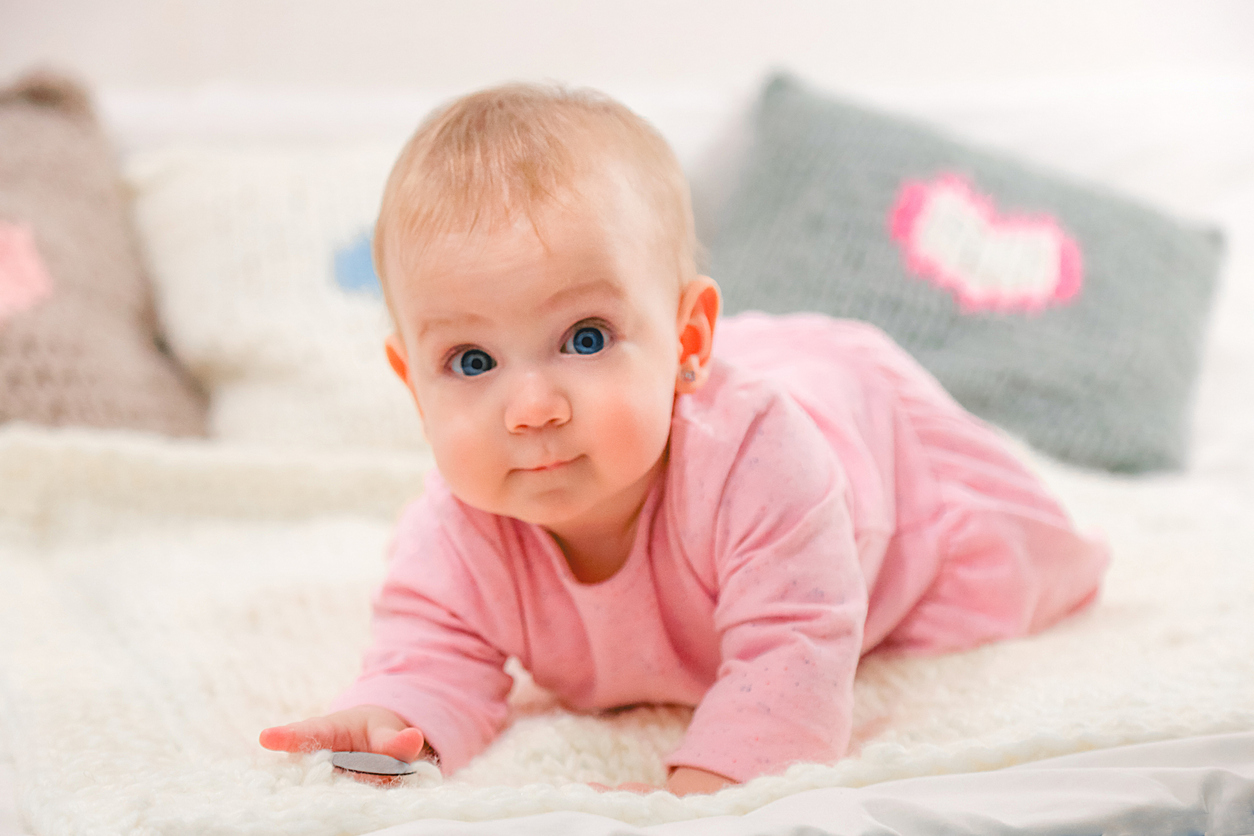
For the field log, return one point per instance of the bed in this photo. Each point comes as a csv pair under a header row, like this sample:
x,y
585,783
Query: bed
x,y
165,595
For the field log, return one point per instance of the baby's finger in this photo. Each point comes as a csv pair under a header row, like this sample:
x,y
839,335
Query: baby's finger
x,y
306,736
406,745
280,739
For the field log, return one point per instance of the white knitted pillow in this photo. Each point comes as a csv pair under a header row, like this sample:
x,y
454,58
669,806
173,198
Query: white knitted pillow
x,y
260,261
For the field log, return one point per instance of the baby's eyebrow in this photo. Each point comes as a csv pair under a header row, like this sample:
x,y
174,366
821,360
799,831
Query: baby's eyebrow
x,y
594,287
433,323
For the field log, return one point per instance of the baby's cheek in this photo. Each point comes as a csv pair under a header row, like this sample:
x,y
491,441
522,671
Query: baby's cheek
x,y
634,431
464,456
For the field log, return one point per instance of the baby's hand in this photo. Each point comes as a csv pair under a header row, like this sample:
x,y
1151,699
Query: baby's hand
x,y
684,780
364,728
687,780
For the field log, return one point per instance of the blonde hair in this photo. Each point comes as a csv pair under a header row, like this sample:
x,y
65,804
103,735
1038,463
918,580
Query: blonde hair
x,y
490,158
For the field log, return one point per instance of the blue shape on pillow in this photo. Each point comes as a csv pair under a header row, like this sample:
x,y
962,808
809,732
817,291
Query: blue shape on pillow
x,y
354,268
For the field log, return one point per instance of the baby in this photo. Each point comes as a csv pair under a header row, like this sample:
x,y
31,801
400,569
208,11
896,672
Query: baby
x,y
641,514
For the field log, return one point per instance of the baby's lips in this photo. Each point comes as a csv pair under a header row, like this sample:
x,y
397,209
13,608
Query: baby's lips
x,y
551,464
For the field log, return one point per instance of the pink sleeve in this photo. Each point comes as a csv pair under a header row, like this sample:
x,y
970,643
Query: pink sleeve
x,y
430,660
791,607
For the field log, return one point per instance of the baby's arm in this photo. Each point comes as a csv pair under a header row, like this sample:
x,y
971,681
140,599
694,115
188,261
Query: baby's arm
x,y
790,603
688,780
440,630
364,728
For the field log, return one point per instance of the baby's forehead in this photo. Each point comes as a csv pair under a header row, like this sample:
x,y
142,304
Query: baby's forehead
x,y
564,264
587,218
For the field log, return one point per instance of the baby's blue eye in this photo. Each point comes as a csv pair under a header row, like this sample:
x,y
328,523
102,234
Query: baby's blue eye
x,y
586,340
472,362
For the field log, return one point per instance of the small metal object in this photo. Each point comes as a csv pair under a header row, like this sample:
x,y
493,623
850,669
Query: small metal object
x,y
688,375
368,763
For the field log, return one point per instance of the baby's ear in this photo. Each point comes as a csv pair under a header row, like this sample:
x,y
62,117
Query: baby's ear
x,y
398,359
699,305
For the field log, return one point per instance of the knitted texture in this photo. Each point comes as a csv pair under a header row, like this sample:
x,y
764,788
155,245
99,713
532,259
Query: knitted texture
x,y
260,257
78,339
173,598
1062,312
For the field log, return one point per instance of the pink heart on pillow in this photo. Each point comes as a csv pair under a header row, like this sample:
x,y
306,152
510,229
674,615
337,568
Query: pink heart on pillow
x,y
957,239
24,280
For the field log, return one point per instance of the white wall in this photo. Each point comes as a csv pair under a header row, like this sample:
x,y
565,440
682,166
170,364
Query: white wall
x,y
457,44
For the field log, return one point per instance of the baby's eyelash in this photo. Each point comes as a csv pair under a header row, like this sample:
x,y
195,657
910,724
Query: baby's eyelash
x,y
587,337
592,322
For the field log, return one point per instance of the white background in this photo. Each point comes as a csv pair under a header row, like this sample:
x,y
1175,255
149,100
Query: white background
x,y
459,44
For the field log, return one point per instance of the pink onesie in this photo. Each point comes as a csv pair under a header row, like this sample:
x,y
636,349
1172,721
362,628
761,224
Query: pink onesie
x,y
823,497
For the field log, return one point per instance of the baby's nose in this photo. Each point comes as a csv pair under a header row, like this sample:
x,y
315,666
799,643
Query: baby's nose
x,y
535,402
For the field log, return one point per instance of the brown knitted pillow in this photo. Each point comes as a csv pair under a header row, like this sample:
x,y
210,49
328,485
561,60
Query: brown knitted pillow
x,y
78,337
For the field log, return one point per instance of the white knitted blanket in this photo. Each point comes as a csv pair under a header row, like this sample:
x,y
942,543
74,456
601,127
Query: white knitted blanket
x,y
161,602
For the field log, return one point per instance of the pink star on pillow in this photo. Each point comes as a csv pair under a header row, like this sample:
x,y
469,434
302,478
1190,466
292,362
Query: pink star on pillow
x,y
24,280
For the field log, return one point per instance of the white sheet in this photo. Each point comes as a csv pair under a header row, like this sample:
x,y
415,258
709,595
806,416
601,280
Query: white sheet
x,y
1195,785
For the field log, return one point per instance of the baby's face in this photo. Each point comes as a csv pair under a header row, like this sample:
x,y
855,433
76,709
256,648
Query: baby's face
x,y
545,376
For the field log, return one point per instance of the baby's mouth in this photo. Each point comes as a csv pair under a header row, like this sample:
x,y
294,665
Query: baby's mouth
x,y
554,464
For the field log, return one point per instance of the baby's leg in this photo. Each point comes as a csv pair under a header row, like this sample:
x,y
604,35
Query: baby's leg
x,y
1005,570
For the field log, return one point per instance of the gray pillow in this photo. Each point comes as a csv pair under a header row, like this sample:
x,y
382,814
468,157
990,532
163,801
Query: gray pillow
x,y
1067,314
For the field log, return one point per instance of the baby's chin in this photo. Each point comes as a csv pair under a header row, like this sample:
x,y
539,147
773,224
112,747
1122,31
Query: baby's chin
x,y
546,512
573,512
549,515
